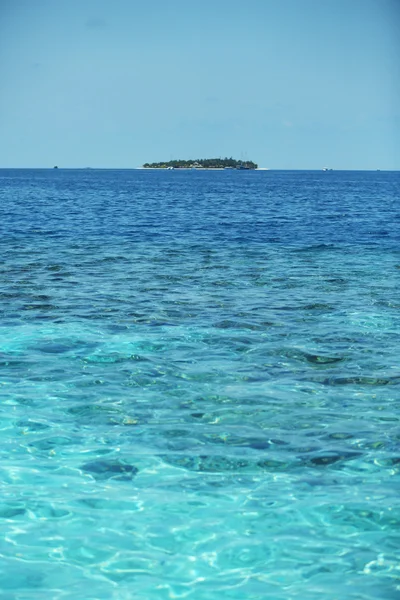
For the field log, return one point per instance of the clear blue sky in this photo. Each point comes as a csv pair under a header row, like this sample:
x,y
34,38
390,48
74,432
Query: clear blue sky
x,y
287,83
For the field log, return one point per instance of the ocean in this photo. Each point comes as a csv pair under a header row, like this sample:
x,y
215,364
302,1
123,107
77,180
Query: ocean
x,y
199,379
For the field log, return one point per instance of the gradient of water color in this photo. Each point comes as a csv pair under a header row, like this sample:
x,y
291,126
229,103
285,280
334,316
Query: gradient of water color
x,y
200,378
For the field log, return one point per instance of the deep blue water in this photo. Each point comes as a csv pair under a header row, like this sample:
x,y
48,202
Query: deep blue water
x,y
199,379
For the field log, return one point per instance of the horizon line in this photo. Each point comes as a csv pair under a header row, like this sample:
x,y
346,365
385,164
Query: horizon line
x,y
322,169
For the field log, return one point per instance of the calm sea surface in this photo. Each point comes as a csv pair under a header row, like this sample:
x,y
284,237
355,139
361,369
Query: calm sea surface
x,y
200,385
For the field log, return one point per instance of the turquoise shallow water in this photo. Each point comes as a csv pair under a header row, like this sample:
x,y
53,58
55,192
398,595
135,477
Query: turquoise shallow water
x,y
199,379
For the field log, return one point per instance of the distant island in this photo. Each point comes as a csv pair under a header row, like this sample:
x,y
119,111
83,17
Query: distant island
x,y
203,163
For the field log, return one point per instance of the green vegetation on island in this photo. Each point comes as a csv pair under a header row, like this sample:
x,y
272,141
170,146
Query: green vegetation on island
x,y
203,163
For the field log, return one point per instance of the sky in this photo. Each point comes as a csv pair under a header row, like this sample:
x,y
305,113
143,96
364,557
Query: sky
x,y
289,84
